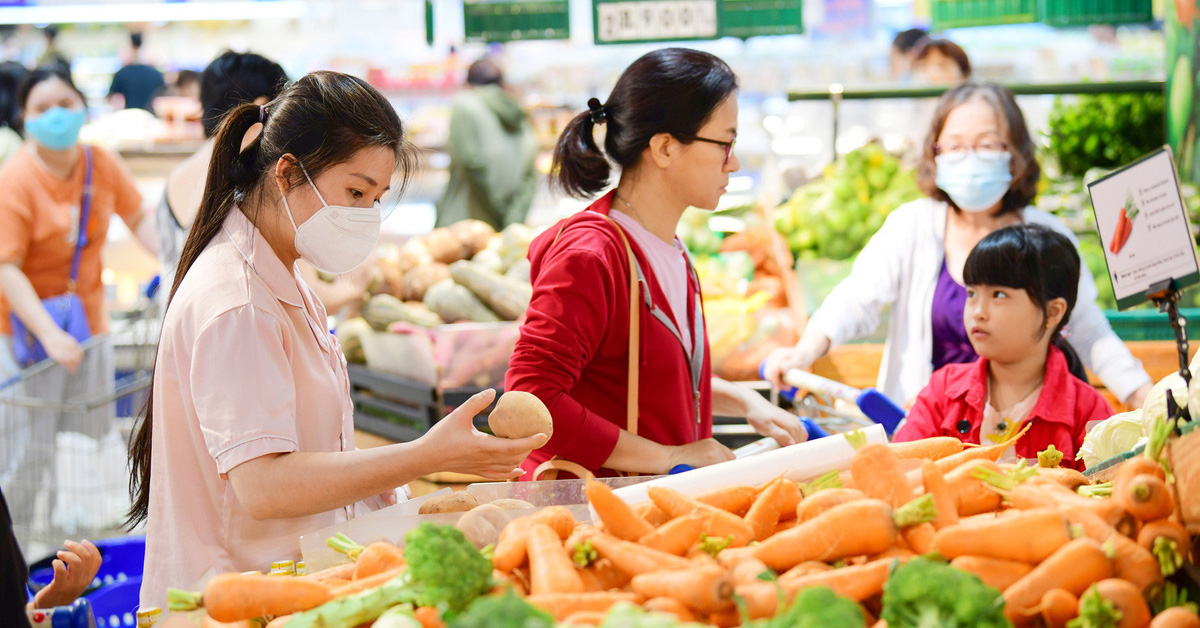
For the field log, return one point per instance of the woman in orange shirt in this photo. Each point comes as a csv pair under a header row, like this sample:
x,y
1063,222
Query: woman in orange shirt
x,y
40,209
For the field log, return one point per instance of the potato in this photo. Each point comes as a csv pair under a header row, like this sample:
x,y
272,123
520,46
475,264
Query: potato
x,y
519,414
482,524
512,504
444,247
460,501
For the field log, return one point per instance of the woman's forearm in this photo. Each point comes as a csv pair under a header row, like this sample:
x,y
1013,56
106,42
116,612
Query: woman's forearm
x,y
305,483
730,399
24,301
639,455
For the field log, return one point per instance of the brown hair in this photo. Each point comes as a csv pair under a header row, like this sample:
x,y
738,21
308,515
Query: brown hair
x,y
322,120
1024,166
948,49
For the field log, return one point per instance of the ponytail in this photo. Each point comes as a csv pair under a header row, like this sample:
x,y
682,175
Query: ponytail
x,y
1074,362
580,167
321,120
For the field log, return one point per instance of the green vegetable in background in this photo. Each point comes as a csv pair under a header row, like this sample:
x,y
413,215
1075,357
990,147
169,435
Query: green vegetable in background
x,y
503,611
1105,130
817,607
924,593
444,569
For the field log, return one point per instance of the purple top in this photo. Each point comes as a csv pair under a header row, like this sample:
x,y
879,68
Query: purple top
x,y
951,345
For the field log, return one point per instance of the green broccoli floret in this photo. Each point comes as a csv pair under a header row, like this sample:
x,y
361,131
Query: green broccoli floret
x,y
929,594
444,568
503,611
815,608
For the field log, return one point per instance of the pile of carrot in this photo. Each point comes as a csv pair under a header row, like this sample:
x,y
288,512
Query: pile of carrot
x,y
1027,532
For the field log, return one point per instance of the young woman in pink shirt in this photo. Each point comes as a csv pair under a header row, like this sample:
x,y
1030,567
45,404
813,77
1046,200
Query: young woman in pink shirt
x,y
248,440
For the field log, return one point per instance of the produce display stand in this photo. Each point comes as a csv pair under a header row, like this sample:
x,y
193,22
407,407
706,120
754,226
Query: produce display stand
x,y
399,408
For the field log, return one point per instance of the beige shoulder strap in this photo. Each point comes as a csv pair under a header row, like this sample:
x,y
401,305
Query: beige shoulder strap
x,y
551,467
635,324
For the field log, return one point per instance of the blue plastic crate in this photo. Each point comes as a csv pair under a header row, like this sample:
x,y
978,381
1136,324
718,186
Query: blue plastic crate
x,y
115,605
122,558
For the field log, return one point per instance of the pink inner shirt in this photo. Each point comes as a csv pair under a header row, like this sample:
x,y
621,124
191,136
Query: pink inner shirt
x,y
246,368
668,262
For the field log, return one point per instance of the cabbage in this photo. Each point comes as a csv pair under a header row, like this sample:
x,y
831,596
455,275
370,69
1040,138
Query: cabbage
x,y
1111,437
1155,408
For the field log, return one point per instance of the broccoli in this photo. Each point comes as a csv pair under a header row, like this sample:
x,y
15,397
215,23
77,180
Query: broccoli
x,y
503,611
444,568
929,594
629,616
815,608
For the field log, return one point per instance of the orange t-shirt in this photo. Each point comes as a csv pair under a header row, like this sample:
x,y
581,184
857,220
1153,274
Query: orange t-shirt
x,y
39,219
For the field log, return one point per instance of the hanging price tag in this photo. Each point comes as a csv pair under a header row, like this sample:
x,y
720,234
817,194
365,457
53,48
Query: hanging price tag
x,y
626,21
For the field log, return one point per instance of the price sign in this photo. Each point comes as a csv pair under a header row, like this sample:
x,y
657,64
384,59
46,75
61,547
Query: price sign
x,y
629,21
503,20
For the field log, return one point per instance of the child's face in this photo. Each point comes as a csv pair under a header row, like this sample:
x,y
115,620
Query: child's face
x,y
1004,324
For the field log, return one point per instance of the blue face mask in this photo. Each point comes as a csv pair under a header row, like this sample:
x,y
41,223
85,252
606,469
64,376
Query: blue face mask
x,y
58,128
975,183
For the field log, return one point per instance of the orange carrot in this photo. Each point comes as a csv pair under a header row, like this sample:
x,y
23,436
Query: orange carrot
x,y
341,572
903,553
748,571
971,495
1132,561
879,472
1166,529
651,513
550,568
677,535
634,559
209,622
761,600
1176,617
857,582
429,617
1059,606
720,523
1127,600
558,518
670,606
509,552
920,538
990,452
1026,496
603,575
1136,466
806,568
370,582
934,448
560,605
235,597
1029,536
585,618
764,514
377,558
734,499
676,504
707,590
943,498
787,525
619,519
1069,478
1073,567
789,499
1145,497
858,528
811,507
997,573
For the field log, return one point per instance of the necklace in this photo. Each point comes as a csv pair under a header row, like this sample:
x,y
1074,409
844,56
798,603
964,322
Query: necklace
x,y
632,212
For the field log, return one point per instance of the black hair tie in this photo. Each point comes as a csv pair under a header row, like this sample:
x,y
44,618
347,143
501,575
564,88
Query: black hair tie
x,y
599,113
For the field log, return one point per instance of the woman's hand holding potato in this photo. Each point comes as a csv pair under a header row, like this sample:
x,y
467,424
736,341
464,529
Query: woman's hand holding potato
x,y
463,449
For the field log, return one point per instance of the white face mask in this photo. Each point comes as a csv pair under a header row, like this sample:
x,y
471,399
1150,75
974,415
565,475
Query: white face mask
x,y
975,183
336,239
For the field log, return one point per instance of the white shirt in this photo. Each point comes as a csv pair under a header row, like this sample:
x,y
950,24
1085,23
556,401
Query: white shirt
x,y
899,268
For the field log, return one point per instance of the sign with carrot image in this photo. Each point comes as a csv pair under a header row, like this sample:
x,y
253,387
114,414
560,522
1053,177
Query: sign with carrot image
x,y
1144,197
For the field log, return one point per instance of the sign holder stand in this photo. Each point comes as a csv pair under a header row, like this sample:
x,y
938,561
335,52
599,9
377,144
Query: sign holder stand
x,y
1165,295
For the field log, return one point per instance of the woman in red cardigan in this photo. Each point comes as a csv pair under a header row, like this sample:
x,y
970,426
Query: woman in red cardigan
x,y
629,381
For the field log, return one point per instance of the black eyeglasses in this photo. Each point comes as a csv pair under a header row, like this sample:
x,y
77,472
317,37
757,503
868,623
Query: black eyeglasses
x,y
727,145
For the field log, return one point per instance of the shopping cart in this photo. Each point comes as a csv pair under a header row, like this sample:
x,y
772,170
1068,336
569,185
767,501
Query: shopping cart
x,y
63,443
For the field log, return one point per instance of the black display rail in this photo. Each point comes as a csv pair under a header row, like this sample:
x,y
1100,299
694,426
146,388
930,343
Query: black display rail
x,y
836,93
402,410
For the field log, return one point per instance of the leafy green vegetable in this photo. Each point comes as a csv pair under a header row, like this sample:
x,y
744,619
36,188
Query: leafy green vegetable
x,y
502,611
629,616
1173,595
444,568
1105,130
928,594
817,607
352,610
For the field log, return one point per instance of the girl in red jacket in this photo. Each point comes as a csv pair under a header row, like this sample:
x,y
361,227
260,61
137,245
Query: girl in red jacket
x,y
1021,283
614,341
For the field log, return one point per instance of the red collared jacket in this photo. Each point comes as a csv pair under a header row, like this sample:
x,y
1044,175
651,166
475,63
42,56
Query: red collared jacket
x,y
574,345
957,394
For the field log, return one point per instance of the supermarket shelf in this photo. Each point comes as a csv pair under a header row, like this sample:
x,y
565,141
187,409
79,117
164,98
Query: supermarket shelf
x,y
400,409
839,92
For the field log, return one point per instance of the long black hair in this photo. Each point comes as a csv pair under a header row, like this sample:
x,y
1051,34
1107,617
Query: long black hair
x,y
322,120
11,75
670,90
1038,260
40,75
